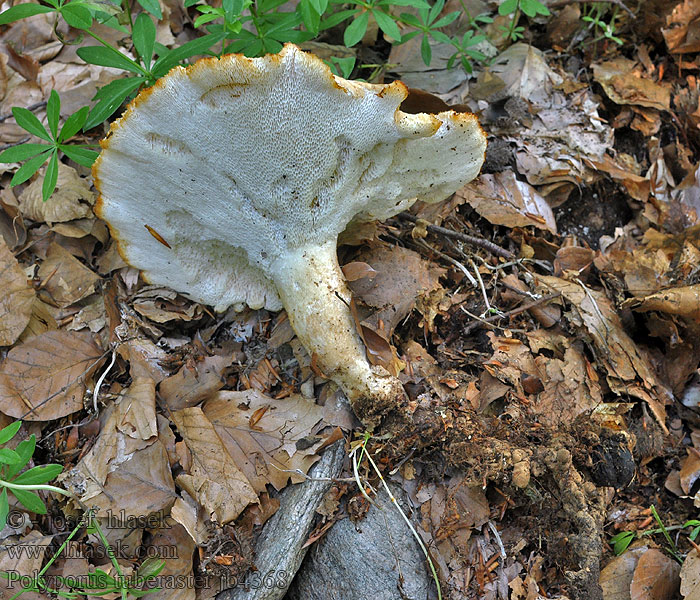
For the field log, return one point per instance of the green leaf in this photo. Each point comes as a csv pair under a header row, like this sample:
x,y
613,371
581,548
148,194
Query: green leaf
x,y
189,3
27,120
411,20
446,20
356,30
191,48
144,36
39,475
621,541
337,18
425,50
25,450
387,25
204,19
440,37
320,6
4,508
150,568
9,457
53,112
435,11
50,177
22,152
533,7
310,16
30,167
110,98
341,66
73,124
30,501
83,156
77,15
152,7
508,7
413,3
7,433
107,57
22,11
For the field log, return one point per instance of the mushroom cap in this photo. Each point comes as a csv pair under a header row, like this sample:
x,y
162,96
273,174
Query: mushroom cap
x,y
216,172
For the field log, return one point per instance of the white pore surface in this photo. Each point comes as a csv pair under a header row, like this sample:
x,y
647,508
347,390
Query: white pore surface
x,y
235,162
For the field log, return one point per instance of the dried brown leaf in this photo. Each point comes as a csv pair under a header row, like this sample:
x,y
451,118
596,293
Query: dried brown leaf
x,y
655,578
504,200
72,199
625,84
358,270
127,469
214,479
690,470
16,297
683,301
690,576
628,370
64,278
44,378
682,34
402,277
265,452
192,383
616,577
176,568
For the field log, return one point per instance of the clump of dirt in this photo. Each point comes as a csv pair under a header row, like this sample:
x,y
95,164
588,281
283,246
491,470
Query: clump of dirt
x,y
593,212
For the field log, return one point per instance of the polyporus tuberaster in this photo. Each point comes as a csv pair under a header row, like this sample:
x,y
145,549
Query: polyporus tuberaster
x,y
230,180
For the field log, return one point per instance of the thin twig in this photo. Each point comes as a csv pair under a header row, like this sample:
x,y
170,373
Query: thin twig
x,y
510,313
619,3
31,107
101,379
469,239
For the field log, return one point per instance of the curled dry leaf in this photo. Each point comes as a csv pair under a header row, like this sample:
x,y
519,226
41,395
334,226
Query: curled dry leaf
x,y
682,34
628,370
402,277
192,383
64,278
690,576
624,84
266,448
16,297
44,378
214,479
683,301
127,468
690,470
504,200
358,270
72,199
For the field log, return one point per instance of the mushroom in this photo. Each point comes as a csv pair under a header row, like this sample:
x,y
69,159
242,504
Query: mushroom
x,y
230,180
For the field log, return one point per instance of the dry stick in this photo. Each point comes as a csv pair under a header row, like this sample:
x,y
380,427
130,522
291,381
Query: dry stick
x,y
469,239
510,313
31,107
565,2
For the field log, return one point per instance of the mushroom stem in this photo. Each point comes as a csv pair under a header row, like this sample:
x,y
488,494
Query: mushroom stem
x,y
312,288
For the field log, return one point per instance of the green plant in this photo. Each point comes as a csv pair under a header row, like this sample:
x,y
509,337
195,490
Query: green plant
x,y
603,29
427,24
622,540
465,52
530,8
97,582
23,485
37,154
